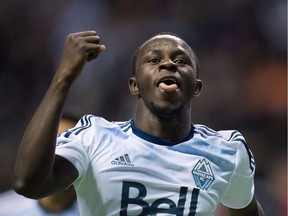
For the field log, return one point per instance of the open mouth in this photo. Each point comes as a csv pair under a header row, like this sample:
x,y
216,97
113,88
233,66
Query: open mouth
x,y
168,84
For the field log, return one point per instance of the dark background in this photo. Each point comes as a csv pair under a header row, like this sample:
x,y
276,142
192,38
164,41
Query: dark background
x,y
241,44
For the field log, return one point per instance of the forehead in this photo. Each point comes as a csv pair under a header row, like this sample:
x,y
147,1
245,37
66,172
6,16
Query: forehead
x,y
165,42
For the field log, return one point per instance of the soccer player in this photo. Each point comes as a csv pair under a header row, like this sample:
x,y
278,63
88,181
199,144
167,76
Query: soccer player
x,y
159,162
60,204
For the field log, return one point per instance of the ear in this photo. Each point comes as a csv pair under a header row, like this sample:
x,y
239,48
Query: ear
x,y
133,86
198,88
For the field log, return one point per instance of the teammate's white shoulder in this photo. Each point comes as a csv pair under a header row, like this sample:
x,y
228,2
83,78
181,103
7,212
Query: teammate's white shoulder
x,y
10,199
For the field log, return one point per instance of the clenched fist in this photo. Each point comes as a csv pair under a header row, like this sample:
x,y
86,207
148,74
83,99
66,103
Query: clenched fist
x,y
79,48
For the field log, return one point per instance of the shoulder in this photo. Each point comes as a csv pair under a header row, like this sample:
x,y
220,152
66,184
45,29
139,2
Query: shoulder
x,y
92,121
91,128
10,199
232,139
228,135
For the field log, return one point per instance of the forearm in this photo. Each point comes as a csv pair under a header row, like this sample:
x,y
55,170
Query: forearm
x,y
37,172
35,157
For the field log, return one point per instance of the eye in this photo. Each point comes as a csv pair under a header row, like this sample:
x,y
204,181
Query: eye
x,y
180,62
154,60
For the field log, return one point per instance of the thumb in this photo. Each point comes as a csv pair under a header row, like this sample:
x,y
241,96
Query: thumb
x,y
94,55
102,48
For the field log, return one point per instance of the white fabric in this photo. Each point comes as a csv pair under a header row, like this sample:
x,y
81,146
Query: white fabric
x,y
13,204
121,167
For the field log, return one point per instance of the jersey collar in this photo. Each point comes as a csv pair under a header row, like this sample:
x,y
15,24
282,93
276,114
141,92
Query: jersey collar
x,y
157,140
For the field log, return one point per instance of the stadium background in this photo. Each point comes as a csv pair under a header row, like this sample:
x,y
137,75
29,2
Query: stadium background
x,y
241,44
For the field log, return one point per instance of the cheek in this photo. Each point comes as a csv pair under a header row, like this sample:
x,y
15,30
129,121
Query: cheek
x,y
144,86
190,86
145,83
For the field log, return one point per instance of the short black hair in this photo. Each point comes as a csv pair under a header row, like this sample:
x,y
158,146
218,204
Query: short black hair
x,y
136,53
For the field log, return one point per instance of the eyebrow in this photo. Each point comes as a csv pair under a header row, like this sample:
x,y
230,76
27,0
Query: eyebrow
x,y
176,52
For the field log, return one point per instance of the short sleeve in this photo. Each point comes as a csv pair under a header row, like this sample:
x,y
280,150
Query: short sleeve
x,y
70,146
240,191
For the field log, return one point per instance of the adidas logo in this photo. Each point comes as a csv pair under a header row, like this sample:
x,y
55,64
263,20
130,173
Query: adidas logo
x,y
122,160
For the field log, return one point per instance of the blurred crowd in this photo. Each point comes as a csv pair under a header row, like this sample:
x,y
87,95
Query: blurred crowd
x,y
241,45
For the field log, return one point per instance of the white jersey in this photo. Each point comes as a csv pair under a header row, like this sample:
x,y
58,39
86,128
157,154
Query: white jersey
x,y
124,171
13,204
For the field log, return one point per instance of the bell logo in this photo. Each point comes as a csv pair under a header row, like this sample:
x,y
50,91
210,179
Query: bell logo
x,y
154,207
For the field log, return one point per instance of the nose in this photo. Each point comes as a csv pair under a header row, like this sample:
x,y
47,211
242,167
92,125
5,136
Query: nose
x,y
168,65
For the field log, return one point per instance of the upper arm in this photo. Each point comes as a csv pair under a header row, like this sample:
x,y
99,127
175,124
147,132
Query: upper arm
x,y
63,175
253,209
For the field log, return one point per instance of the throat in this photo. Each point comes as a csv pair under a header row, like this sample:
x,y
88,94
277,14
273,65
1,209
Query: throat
x,y
173,131
170,124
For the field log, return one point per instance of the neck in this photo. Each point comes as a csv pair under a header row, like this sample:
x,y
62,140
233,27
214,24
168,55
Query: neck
x,y
173,128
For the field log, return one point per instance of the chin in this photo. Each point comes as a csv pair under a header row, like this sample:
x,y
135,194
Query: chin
x,y
166,111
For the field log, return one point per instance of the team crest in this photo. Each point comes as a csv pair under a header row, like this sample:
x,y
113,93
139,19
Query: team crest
x,y
203,175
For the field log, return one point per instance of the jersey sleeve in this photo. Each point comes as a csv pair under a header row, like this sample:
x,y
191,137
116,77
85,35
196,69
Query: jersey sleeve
x,y
241,185
71,145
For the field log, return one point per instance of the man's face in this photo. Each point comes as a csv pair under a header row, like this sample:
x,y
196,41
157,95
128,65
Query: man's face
x,y
165,78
